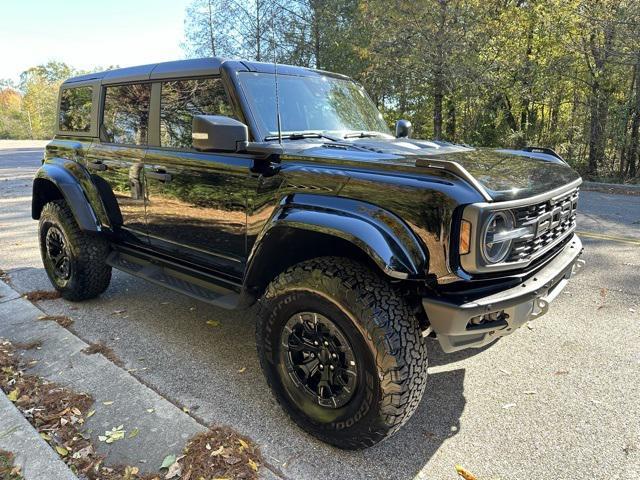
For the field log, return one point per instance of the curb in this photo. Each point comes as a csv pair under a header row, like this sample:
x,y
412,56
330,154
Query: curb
x,y
35,457
163,427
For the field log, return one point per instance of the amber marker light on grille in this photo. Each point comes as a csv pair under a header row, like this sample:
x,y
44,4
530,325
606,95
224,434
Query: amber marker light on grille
x,y
465,237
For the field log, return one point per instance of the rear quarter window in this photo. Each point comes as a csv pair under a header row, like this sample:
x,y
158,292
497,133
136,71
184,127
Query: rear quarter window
x,y
75,109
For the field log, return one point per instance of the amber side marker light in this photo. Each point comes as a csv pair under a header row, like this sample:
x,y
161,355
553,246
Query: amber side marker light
x,y
465,237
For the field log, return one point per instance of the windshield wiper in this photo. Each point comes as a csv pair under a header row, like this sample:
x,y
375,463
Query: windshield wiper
x,y
301,136
361,135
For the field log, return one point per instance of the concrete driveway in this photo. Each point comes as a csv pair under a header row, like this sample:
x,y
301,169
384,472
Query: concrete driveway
x,y
558,400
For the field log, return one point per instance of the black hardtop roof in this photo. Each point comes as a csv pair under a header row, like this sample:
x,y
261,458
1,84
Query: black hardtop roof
x,y
195,67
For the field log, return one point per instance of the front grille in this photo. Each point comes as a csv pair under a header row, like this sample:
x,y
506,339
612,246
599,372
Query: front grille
x,y
552,221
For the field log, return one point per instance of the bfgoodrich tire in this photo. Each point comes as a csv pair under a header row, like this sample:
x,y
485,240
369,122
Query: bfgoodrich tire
x,y
75,261
341,351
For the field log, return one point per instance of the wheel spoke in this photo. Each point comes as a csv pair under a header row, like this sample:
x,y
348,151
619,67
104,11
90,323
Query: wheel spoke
x,y
309,367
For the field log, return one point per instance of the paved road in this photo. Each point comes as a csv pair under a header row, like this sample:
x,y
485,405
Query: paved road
x,y
558,401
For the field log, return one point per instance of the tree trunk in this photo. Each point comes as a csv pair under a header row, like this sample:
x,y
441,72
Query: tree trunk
x,y
451,120
597,128
634,143
438,96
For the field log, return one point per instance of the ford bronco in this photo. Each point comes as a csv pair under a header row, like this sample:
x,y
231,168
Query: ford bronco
x,y
239,182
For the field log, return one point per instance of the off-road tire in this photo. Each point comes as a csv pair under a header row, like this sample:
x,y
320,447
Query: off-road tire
x,y
90,275
375,318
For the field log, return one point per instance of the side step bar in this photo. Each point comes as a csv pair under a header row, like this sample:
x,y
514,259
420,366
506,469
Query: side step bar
x,y
175,278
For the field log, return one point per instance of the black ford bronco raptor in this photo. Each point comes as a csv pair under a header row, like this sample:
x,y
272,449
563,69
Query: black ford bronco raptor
x,y
238,182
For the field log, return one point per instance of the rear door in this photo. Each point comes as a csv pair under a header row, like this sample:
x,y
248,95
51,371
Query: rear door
x,y
117,161
196,201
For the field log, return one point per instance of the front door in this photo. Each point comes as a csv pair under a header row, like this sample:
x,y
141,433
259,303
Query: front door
x,y
117,162
196,207
196,202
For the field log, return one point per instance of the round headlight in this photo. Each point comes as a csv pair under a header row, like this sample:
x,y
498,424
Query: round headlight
x,y
494,248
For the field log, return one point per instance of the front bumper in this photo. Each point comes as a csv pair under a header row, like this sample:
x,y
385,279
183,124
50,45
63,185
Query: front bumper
x,y
452,322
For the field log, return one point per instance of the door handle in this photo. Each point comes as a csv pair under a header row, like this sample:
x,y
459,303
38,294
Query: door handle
x,y
159,175
97,165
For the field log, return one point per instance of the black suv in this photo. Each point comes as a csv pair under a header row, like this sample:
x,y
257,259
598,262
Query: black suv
x,y
238,182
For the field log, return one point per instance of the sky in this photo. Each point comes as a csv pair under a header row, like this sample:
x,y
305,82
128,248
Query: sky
x,y
88,33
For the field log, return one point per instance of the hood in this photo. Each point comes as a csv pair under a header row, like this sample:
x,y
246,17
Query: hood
x,y
504,174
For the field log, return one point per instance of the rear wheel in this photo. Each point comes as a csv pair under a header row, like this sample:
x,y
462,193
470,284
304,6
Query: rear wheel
x,y
342,351
75,261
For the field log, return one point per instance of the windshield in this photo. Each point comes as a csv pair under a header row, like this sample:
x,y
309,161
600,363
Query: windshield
x,y
311,104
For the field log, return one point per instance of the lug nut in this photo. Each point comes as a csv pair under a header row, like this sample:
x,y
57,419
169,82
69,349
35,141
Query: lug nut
x,y
326,344
321,367
315,342
331,367
334,355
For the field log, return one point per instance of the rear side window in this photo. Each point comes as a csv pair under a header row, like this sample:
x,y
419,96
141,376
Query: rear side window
x,y
181,100
75,109
126,114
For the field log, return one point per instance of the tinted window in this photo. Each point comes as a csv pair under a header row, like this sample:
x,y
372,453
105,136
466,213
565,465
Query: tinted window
x,y
183,99
75,109
126,114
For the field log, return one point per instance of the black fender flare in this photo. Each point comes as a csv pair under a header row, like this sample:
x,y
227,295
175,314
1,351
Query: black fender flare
x,y
383,236
63,175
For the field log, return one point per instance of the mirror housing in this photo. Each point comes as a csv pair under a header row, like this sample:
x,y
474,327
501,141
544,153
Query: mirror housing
x,y
218,133
403,129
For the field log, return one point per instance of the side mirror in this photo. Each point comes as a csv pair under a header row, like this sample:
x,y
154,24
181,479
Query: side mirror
x,y
403,129
218,133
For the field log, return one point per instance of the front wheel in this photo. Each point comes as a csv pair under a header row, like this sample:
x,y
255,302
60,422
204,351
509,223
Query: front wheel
x,y
341,351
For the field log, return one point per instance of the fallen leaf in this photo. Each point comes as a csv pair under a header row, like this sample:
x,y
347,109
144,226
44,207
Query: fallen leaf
x,y
253,465
243,443
213,323
46,437
90,413
76,412
218,451
168,461
464,473
130,471
113,435
185,409
110,402
151,410
232,459
529,326
507,406
242,370
118,312
83,452
506,372
174,471
134,433
561,372
632,310
13,395
530,392
63,452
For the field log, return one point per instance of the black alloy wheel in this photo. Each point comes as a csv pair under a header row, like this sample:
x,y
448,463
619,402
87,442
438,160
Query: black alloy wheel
x,y
57,252
319,359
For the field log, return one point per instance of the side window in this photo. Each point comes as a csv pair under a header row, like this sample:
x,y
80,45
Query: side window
x,y
75,109
181,100
126,114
